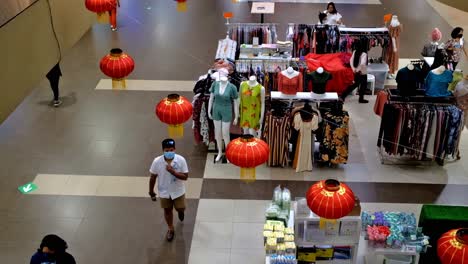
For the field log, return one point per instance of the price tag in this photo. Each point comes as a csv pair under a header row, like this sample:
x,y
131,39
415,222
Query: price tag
x,y
263,8
255,41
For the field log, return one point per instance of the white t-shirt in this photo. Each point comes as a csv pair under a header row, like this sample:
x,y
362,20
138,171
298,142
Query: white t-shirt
x,y
332,19
169,186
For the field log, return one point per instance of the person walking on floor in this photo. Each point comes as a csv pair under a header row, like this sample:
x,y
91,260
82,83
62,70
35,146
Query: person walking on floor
x,y
171,171
52,251
54,77
358,64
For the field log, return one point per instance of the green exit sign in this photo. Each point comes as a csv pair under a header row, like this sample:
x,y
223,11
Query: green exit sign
x,y
27,188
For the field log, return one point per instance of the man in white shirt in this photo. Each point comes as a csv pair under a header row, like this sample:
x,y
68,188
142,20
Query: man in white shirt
x,y
171,170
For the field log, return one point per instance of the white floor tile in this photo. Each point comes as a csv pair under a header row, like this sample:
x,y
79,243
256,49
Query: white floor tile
x,y
52,184
208,256
247,256
91,185
250,211
215,210
247,235
212,235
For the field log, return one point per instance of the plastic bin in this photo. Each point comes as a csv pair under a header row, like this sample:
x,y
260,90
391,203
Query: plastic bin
x,y
380,71
398,259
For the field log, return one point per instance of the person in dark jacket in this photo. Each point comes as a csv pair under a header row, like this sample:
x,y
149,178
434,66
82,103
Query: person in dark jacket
x,y
52,251
54,76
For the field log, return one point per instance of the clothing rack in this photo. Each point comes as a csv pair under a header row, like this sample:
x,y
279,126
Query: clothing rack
x,y
230,25
411,133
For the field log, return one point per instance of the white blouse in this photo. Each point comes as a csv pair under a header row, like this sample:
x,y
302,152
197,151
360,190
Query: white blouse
x,y
332,19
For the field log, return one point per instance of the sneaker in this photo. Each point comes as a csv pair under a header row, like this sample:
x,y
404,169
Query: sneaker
x,y
363,101
170,235
57,103
181,216
113,29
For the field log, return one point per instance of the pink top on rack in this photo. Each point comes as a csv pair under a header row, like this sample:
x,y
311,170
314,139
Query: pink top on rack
x,y
290,85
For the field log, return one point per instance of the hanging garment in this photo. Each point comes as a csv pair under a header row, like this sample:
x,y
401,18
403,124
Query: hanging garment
x,y
408,81
276,134
305,152
226,49
382,98
461,92
392,57
457,77
334,145
200,120
250,105
437,84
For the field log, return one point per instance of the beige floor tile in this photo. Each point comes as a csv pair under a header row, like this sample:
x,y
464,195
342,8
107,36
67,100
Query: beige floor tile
x,y
149,85
52,184
193,188
114,186
212,235
215,210
208,256
82,185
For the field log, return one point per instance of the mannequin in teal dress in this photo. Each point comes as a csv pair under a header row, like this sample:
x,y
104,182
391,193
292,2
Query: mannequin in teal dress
x,y
223,98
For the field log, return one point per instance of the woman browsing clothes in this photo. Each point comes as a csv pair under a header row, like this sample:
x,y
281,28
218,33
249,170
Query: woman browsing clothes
x,y
333,17
358,64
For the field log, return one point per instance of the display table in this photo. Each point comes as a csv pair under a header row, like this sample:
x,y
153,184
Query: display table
x,y
376,255
345,232
380,71
305,96
435,220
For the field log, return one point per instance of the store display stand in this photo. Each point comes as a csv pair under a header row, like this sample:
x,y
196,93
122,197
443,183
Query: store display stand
x,y
290,224
302,221
376,255
313,97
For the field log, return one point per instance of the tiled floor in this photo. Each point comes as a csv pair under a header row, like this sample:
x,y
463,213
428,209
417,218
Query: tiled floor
x,y
90,157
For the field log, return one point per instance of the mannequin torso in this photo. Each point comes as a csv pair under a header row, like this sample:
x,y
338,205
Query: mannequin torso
x,y
290,81
290,73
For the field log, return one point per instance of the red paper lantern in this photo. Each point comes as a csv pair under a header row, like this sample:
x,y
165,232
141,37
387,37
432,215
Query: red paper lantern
x,y
174,110
117,65
247,152
452,247
330,199
101,7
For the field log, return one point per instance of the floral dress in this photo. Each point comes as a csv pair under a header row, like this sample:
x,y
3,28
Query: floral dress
x,y
250,105
334,148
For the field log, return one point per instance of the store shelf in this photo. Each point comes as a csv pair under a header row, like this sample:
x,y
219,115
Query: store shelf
x,y
305,96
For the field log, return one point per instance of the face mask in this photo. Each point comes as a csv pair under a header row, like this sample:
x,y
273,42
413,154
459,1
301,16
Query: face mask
x,y
169,155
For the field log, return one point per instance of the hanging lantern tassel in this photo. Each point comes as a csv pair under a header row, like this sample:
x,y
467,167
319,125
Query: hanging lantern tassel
x,y
119,83
103,17
247,174
181,6
175,131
